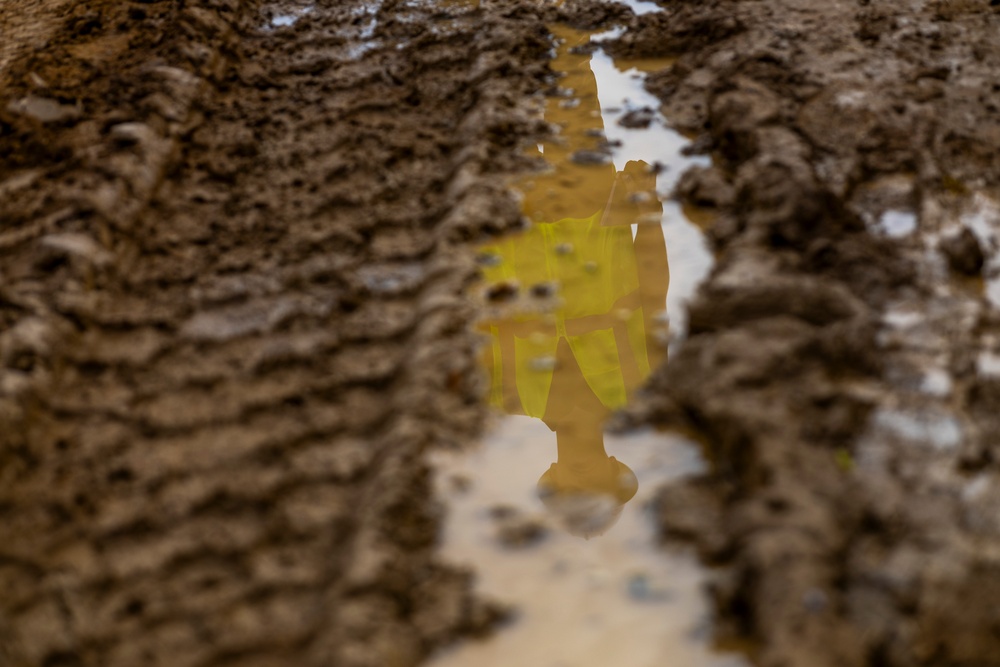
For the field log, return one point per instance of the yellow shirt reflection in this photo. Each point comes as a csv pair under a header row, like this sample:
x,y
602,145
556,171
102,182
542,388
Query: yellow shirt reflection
x,y
571,365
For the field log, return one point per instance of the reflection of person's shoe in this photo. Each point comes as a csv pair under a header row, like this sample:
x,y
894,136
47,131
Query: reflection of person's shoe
x,y
587,501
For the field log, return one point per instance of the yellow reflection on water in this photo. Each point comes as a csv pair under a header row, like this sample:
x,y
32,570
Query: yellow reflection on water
x,y
593,275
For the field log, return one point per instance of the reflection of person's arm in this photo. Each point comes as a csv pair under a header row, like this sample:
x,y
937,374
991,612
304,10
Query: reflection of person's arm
x,y
654,279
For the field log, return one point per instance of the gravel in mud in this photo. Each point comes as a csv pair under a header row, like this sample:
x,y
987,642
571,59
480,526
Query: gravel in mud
x,y
233,251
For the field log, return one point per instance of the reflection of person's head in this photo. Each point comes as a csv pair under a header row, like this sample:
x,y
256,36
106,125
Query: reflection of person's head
x,y
587,494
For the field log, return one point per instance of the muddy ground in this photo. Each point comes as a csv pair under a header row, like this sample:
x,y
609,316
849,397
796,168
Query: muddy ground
x,y
233,319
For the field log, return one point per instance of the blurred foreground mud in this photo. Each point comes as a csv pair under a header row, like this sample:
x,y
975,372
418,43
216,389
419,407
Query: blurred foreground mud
x,y
232,320
235,239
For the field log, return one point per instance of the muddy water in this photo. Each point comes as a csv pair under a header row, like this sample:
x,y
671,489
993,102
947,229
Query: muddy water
x,y
549,510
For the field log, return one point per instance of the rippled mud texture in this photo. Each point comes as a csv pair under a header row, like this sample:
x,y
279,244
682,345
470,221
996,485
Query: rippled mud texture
x,y
840,362
231,267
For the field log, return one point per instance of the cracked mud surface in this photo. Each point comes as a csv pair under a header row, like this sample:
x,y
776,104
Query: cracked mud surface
x,y
233,263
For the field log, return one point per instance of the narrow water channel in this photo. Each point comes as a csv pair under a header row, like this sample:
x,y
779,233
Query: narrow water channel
x,y
549,511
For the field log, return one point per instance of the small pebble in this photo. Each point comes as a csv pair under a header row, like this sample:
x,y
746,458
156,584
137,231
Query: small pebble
x,y
489,259
564,249
543,290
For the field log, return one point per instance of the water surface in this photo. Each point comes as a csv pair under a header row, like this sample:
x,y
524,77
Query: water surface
x,y
551,512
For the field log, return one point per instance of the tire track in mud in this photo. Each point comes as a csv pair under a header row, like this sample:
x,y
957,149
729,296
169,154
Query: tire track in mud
x,y
231,326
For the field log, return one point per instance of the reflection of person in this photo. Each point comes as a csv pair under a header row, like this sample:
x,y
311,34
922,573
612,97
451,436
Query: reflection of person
x,y
572,367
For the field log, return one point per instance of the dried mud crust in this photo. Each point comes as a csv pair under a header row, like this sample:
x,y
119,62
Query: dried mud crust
x,y
231,261
831,368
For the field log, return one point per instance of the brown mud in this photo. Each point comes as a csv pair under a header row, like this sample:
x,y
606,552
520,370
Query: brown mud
x,y
837,368
236,240
232,320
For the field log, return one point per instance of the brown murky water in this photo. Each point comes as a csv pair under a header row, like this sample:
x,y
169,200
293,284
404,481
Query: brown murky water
x,y
550,511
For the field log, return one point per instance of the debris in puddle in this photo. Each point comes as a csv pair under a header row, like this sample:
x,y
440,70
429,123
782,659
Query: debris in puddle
x,y
591,157
460,483
637,118
503,291
543,290
516,530
641,589
488,259
564,248
597,234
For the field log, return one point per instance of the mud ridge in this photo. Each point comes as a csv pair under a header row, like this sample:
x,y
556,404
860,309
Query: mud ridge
x,y
831,369
232,322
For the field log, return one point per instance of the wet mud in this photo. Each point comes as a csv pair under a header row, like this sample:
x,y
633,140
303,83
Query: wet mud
x,y
836,367
240,249
233,320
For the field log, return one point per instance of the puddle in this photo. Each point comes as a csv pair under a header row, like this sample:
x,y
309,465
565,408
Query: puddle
x,y
551,512
617,599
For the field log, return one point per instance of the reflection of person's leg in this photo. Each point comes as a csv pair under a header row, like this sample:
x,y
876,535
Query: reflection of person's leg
x,y
571,401
585,487
654,280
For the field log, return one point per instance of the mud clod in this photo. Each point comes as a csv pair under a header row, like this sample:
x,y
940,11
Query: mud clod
x,y
638,118
963,251
706,187
810,369
234,245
